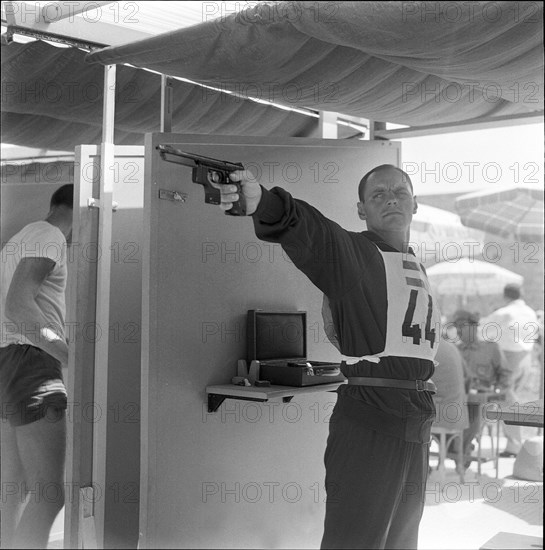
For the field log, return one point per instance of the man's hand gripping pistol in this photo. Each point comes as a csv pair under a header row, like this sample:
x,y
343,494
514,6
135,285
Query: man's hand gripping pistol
x,y
208,171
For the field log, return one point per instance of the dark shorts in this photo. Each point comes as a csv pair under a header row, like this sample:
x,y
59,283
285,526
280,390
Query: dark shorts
x,y
31,385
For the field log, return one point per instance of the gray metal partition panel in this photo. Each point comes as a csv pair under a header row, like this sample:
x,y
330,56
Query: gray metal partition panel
x,y
249,475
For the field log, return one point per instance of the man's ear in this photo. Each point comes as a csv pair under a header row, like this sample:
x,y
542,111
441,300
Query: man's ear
x,y
415,205
361,211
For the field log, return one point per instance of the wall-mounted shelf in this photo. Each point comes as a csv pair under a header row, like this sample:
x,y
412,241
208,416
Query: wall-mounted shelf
x,y
218,394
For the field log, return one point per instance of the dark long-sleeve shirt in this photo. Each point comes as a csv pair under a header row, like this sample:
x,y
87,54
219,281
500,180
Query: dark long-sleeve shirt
x,y
349,269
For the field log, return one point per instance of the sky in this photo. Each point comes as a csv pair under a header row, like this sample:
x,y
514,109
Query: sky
x,y
480,159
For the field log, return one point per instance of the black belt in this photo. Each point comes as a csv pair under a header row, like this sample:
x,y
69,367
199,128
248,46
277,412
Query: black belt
x,y
418,385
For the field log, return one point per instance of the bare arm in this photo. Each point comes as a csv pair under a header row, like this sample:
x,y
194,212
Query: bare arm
x,y
22,309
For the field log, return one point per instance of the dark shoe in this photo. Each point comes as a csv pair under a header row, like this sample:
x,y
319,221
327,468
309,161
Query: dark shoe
x,y
507,454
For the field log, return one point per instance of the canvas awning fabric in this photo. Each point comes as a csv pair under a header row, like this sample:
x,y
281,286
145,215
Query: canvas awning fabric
x,y
414,63
411,63
52,98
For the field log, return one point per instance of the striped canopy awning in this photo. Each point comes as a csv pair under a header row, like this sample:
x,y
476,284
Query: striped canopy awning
x,y
514,213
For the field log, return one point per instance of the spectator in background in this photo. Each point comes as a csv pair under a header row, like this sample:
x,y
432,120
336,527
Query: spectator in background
x,y
486,368
450,399
33,351
537,352
516,329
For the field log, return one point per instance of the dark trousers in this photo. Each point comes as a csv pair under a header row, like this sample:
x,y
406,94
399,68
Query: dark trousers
x,y
474,413
375,487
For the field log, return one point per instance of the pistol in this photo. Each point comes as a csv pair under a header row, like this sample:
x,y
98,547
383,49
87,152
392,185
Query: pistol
x,y
206,171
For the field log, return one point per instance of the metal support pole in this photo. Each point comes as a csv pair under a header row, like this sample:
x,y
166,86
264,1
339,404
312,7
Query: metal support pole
x,y
374,127
103,302
166,103
328,125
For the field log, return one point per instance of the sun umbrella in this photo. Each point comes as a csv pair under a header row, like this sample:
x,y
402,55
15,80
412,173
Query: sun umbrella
x,y
514,213
467,277
439,235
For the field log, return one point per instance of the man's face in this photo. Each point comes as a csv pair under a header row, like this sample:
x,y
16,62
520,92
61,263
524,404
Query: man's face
x,y
388,203
467,332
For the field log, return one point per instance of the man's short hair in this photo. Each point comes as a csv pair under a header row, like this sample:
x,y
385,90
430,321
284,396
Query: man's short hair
x,y
63,196
382,167
512,291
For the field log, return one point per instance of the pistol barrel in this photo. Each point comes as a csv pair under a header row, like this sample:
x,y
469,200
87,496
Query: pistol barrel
x,y
200,159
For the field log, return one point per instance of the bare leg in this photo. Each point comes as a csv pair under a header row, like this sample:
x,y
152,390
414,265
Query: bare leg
x,y
42,447
12,475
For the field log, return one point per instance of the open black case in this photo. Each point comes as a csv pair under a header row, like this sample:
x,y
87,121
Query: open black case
x,y
278,340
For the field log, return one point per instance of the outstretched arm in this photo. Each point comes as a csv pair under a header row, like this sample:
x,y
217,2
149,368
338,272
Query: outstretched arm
x,y
318,246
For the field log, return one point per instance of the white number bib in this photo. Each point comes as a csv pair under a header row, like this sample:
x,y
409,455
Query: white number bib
x,y
413,319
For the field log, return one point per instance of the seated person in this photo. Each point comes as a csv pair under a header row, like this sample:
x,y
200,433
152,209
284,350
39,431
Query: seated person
x,y
450,399
486,367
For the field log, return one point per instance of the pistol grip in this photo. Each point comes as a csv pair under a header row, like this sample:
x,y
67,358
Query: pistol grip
x,y
239,207
212,196
206,176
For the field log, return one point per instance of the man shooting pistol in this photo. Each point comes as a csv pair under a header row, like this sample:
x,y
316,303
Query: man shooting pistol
x,y
208,172
382,314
